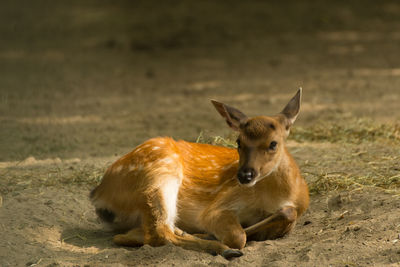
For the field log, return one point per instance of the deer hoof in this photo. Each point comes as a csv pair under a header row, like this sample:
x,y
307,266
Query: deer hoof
x,y
231,253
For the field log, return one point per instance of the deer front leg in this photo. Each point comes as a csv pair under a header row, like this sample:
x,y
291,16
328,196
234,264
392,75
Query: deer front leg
x,y
277,225
225,226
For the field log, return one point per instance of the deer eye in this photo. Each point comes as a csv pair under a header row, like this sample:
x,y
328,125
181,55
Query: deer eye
x,y
272,145
238,143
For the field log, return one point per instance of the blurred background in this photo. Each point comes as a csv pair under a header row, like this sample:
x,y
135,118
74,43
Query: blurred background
x,y
96,78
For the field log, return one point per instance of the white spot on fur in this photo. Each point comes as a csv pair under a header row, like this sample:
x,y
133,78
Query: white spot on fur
x,y
145,146
132,167
156,148
214,164
170,193
117,169
175,156
139,167
166,161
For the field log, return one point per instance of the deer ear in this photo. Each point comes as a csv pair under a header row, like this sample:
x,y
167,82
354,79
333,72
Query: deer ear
x,y
292,109
233,116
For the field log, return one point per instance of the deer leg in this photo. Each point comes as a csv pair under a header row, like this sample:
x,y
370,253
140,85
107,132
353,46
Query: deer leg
x,y
205,236
225,227
158,229
133,238
191,242
275,226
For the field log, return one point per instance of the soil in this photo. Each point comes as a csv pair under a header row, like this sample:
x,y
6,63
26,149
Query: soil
x,y
84,82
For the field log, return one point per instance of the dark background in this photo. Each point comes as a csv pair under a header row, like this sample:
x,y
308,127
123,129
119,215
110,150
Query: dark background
x,y
95,78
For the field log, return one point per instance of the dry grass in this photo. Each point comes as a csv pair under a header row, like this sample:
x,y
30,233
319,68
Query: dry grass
x,y
228,141
342,181
348,131
367,155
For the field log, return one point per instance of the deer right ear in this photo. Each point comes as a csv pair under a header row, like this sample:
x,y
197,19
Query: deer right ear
x,y
291,111
233,116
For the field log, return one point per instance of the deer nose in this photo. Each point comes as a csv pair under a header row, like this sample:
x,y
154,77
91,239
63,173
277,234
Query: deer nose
x,y
245,175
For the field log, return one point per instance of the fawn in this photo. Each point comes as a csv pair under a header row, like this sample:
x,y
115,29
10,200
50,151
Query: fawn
x,y
204,197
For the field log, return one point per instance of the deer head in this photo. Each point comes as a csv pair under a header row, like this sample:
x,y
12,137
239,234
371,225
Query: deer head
x,y
261,140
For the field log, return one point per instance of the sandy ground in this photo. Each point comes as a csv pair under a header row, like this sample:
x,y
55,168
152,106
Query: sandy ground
x,y
82,83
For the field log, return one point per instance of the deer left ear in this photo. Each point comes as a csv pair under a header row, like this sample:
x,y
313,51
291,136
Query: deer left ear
x,y
292,109
234,117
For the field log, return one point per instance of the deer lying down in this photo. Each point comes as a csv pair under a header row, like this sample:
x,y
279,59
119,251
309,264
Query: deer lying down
x,y
176,191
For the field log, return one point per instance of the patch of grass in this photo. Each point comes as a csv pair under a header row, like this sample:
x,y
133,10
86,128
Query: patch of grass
x,y
87,174
229,141
347,131
332,181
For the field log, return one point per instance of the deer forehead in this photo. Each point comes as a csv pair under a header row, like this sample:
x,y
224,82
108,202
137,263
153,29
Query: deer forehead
x,y
260,129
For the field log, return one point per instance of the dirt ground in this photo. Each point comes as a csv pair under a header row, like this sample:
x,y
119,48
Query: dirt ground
x,y
84,82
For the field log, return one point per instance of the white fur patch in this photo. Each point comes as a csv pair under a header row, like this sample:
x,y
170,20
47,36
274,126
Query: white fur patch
x,y
117,169
170,193
166,160
132,167
155,148
139,167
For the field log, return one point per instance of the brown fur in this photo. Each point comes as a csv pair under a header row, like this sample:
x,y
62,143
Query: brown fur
x,y
163,187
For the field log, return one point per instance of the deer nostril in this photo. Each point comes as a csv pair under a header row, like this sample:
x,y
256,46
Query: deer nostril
x,y
246,175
